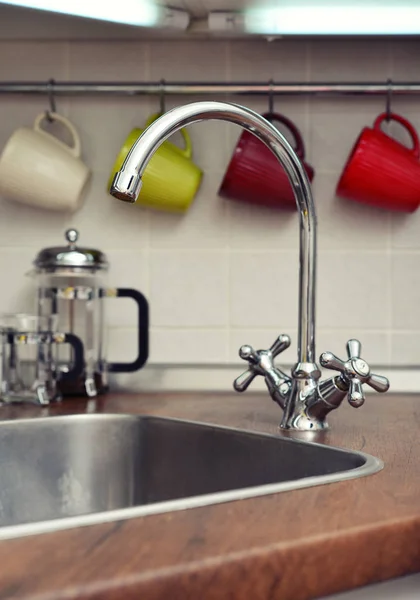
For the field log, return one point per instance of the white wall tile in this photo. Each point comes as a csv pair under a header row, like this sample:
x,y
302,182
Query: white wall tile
x,y
170,346
178,61
353,290
108,223
270,281
349,59
405,230
405,59
205,224
264,289
335,124
344,224
252,227
22,60
105,61
122,345
18,292
405,291
128,269
188,346
22,225
208,140
188,289
261,60
405,348
103,126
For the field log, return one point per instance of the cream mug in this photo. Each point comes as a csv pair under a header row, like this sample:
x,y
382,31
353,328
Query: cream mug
x,y
38,169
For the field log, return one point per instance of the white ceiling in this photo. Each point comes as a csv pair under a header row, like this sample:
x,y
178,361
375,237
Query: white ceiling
x,y
201,8
23,23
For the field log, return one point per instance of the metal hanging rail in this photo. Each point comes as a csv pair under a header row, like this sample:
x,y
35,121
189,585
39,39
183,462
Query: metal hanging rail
x,y
214,88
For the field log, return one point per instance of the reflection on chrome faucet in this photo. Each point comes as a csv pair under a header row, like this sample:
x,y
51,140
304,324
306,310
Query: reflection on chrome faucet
x,y
305,401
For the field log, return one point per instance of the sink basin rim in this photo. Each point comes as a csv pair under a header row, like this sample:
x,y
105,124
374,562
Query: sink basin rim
x,y
371,465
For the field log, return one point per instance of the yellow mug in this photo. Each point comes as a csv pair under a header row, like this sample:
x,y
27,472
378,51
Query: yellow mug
x,y
171,179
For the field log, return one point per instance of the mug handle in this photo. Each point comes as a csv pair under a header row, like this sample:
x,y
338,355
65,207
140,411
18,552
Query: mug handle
x,y
78,353
142,329
187,151
408,126
76,149
299,147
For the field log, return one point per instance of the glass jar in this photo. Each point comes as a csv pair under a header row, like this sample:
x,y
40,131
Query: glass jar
x,y
72,287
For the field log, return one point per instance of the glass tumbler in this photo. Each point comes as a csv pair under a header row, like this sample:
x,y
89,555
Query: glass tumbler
x,y
28,358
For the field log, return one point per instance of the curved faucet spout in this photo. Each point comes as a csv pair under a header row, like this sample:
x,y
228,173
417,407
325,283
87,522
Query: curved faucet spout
x,y
127,183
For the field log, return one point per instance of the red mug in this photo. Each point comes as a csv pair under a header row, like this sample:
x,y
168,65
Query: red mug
x,y
382,172
255,175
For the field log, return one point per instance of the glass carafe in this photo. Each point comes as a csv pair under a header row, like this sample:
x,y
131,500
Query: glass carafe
x,y
71,285
28,367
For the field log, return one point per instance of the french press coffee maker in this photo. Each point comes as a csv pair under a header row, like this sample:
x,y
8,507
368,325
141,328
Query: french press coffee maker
x,y
71,286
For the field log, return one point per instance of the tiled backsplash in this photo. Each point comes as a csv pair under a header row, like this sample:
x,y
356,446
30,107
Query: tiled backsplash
x,y
226,274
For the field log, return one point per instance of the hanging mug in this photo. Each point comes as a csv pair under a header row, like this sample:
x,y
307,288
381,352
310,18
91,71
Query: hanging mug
x,y
40,170
254,174
171,179
382,172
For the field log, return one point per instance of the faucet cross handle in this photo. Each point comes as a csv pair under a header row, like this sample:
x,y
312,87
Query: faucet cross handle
x,y
354,372
261,362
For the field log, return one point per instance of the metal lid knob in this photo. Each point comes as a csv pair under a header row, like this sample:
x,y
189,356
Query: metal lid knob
x,y
72,235
354,372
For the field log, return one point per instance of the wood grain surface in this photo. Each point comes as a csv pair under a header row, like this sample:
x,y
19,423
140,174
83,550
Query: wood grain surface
x,y
291,546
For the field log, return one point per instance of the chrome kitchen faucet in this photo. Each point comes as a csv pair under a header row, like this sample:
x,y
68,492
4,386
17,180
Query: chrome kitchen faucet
x,y
305,401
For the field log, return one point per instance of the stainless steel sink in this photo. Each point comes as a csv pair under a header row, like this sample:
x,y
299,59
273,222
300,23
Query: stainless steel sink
x,y
70,471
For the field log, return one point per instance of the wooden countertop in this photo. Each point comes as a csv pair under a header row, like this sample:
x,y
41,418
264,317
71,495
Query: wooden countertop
x,y
296,545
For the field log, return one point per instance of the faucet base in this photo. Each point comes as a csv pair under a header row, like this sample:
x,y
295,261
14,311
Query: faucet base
x,y
306,402
304,392
301,422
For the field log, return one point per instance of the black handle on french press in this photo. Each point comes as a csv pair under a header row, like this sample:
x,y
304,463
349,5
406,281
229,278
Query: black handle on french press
x,y
78,357
142,332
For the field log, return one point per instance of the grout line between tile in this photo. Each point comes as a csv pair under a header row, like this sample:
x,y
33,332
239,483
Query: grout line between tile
x,y
148,59
308,54
228,61
391,59
67,60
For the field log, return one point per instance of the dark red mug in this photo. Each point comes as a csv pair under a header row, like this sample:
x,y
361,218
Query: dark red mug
x,y
255,175
381,171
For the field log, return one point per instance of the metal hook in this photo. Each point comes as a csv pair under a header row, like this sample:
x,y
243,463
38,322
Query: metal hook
x,y
51,100
388,99
162,97
271,96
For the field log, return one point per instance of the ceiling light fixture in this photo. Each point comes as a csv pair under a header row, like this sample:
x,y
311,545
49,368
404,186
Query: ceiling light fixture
x,y
323,17
138,13
219,20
